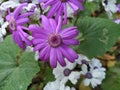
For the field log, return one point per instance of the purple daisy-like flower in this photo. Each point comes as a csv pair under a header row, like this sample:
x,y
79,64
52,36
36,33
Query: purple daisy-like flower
x,y
59,7
16,24
53,43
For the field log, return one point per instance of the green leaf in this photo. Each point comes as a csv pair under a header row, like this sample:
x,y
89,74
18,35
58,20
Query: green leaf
x,y
49,75
89,8
98,36
112,81
17,68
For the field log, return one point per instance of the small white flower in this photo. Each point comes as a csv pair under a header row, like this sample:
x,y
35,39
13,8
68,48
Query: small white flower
x,y
29,49
36,55
29,7
3,26
110,7
10,4
36,15
70,11
52,85
96,64
63,87
82,60
65,73
57,85
93,77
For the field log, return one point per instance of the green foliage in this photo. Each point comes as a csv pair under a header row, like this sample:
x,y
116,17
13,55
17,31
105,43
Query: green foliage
x,y
89,8
112,81
49,75
98,36
17,68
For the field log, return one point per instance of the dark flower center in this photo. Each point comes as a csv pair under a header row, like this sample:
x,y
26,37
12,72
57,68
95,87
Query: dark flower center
x,y
54,40
12,24
67,72
84,62
25,1
63,0
106,2
88,75
95,67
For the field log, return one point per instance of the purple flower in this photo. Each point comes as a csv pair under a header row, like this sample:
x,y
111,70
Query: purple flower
x,y
59,7
16,24
117,21
118,7
53,43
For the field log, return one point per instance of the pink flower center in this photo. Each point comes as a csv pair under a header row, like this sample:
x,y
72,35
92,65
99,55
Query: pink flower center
x,y
12,24
54,40
63,0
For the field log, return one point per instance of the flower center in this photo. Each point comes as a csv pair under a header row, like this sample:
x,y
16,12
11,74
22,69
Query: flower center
x,y
88,75
54,40
84,62
67,72
106,2
12,24
63,0
25,1
95,67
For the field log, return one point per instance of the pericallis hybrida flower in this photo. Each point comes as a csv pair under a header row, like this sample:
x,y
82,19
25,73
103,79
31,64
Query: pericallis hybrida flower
x,y
53,43
59,7
17,20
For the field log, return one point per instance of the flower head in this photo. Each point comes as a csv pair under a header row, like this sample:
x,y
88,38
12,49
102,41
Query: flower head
x,y
92,76
66,73
59,7
110,7
95,64
16,22
82,60
57,85
53,43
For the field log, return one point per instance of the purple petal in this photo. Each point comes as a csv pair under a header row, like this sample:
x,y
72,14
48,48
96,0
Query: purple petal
x,y
38,41
18,40
25,15
45,53
60,58
40,46
45,23
53,24
53,58
70,42
54,9
69,53
59,26
69,33
65,14
17,10
22,21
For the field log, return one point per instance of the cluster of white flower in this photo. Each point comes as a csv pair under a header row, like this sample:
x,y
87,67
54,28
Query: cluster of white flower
x,y
92,71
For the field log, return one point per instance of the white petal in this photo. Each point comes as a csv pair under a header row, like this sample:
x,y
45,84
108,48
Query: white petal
x,y
84,69
74,76
86,82
52,85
